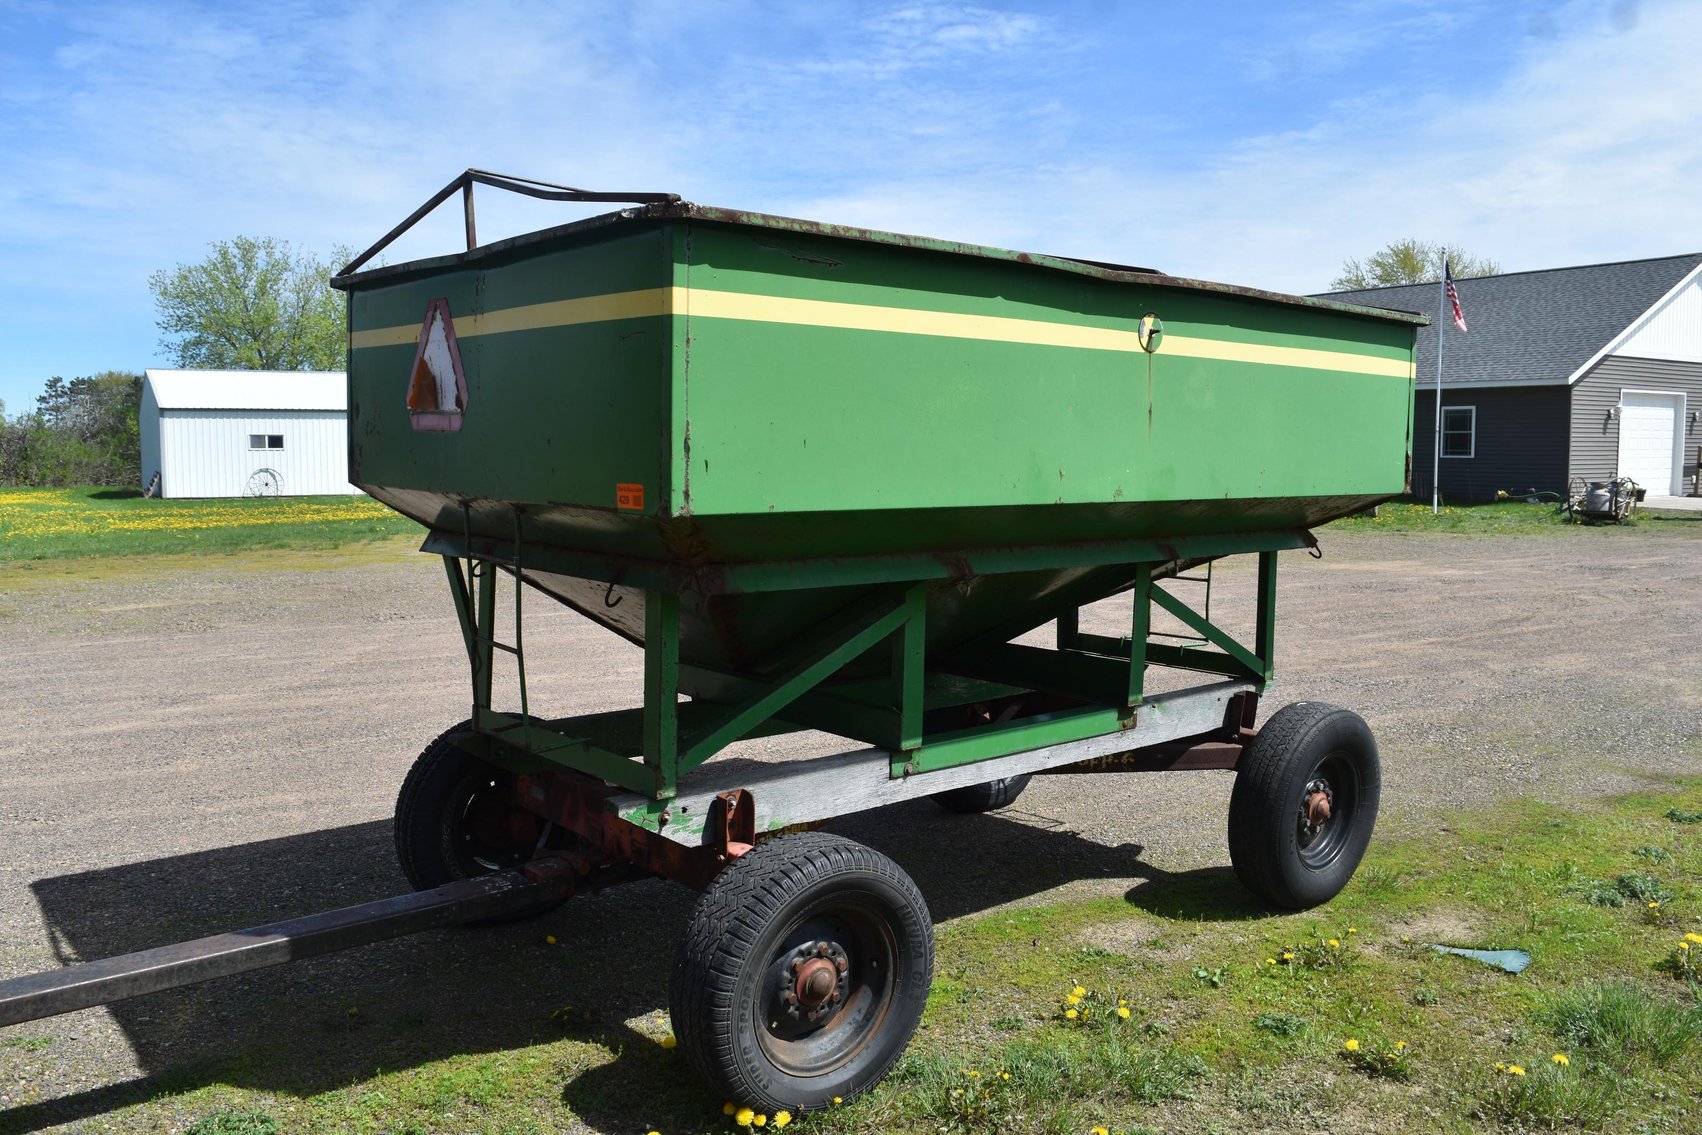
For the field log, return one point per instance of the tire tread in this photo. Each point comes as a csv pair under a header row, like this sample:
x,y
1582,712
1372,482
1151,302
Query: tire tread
x,y
728,921
1255,826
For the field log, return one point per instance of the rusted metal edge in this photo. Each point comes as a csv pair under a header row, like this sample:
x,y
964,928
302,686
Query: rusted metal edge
x,y
463,184
723,828
102,982
677,209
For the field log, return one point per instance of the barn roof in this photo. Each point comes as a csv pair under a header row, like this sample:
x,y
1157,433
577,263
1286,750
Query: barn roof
x,y
1533,327
249,389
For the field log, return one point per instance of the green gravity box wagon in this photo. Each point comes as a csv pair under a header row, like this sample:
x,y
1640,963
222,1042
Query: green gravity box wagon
x,y
850,481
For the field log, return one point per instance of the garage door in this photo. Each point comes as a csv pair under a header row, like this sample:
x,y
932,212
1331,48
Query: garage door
x,y
1648,439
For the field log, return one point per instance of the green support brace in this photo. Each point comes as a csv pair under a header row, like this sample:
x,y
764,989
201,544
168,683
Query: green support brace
x,y
851,635
1138,627
1265,640
662,690
1212,634
909,668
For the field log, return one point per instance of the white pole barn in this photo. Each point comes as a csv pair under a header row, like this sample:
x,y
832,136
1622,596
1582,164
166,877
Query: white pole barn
x,y
233,433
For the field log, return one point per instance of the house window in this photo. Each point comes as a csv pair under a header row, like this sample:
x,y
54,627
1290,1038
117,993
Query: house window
x,y
1459,431
265,441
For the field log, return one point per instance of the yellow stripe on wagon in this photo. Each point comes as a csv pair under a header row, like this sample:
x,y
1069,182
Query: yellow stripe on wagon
x,y
711,304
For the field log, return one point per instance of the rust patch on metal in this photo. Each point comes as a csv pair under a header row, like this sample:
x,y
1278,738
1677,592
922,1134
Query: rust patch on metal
x,y
1318,809
579,803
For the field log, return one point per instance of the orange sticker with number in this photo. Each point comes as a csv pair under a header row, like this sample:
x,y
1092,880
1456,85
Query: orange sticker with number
x,y
629,496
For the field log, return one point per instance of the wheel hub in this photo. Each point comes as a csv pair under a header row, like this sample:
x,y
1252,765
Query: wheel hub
x,y
1317,808
1317,804
819,973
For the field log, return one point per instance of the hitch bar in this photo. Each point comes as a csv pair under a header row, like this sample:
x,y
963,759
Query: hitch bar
x,y
102,982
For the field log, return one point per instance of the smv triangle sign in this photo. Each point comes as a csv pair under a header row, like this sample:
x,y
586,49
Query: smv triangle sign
x,y
437,387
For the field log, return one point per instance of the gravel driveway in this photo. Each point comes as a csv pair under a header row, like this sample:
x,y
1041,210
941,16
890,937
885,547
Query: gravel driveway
x,y
217,744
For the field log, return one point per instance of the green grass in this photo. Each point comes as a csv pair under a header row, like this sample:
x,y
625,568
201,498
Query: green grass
x,y
1441,1044
248,1122
44,524
1503,518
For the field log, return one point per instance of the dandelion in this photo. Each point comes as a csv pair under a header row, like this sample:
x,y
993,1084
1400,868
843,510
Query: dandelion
x,y
1288,955
1500,1067
1351,930
759,1121
971,1072
782,1118
1121,1001
744,1116
1561,1059
837,1101
1350,1044
1099,1131
1071,1014
1073,999
1515,1070
1400,1046
670,1041
1123,1011
1697,938
1335,943
1270,961
1655,904
1004,1075
549,939
1684,945
1078,991
652,1132
729,1108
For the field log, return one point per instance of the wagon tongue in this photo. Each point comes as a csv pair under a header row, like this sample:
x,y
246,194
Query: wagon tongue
x,y
102,982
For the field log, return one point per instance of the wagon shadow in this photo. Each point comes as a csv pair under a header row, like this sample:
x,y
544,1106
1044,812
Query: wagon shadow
x,y
330,1022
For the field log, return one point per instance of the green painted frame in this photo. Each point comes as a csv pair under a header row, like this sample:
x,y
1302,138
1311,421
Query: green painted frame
x,y
1100,679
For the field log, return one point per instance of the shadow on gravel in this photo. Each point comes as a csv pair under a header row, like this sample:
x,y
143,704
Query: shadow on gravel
x,y
329,1022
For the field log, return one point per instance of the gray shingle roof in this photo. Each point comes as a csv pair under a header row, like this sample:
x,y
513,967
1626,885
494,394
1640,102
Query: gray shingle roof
x,y
1531,326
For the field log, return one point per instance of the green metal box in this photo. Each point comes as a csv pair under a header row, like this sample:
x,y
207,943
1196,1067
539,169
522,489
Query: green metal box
x,y
696,400
774,389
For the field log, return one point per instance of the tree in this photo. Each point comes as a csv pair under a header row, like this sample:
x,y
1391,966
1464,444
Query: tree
x,y
1409,262
252,304
84,431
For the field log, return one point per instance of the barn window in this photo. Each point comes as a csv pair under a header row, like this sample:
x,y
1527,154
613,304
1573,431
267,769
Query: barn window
x,y
1459,431
265,441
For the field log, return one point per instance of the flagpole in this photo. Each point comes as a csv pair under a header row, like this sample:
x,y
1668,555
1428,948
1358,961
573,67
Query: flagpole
x,y
1436,443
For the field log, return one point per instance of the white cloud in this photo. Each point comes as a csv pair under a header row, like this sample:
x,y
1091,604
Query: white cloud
x,y
1584,152
145,131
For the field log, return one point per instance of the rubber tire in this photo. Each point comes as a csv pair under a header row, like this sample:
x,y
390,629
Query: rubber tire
x,y
988,797
736,932
1264,843
426,805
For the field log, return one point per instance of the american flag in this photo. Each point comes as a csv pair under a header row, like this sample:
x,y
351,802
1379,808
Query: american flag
x,y
1453,296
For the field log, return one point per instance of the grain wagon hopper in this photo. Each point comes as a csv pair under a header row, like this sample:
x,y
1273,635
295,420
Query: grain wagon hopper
x,y
827,478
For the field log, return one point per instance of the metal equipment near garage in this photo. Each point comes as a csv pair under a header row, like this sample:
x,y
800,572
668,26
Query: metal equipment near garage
x,y
826,478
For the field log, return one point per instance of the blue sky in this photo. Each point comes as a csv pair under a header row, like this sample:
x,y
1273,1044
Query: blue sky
x,y
1255,143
